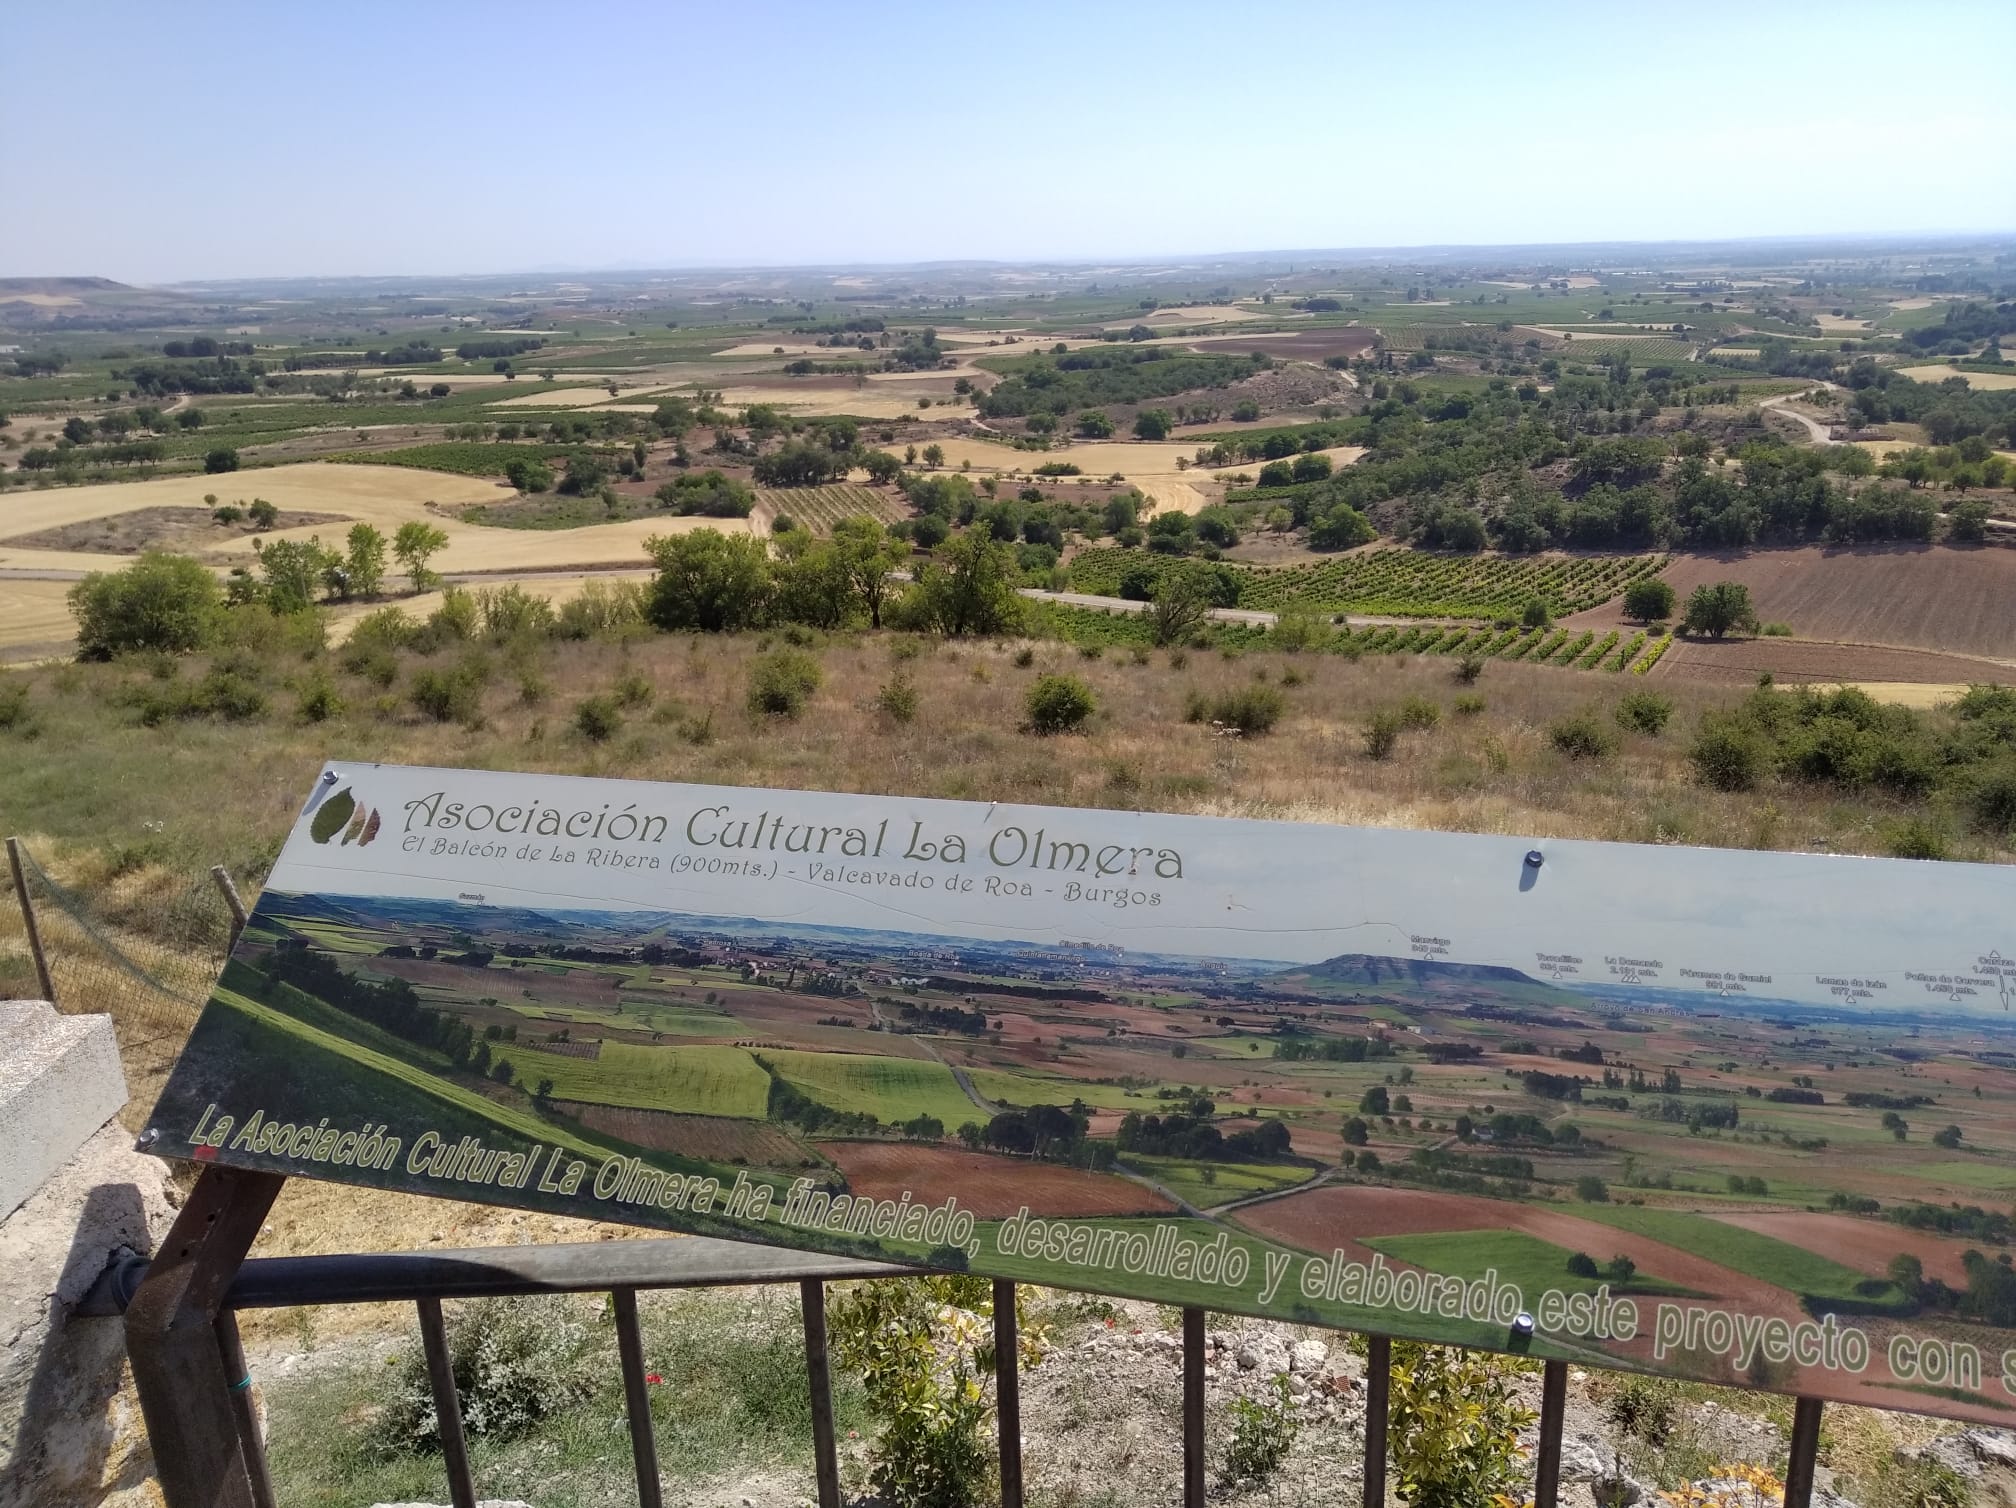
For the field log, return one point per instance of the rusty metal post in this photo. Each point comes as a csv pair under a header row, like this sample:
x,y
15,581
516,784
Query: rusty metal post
x,y
42,979
244,1409
1553,1418
1008,1393
825,1453
172,1340
1378,1380
447,1404
1193,1408
637,1398
1805,1451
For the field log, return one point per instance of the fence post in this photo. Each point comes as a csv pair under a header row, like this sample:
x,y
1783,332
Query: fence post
x,y
1008,1393
244,1410
171,1338
28,922
1193,1408
1553,1416
1378,1377
447,1404
1805,1450
825,1454
223,878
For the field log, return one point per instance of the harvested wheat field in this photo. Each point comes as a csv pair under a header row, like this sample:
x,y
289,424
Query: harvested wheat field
x,y
1934,597
34,619
1739,662
563,397
862,402
993,1188
1976,380
1150,466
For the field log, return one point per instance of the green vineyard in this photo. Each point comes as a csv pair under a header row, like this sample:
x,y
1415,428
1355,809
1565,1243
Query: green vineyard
x,y
820,508
1401,583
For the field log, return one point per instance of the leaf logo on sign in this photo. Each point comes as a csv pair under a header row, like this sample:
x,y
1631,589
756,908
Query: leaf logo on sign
x,y
344,813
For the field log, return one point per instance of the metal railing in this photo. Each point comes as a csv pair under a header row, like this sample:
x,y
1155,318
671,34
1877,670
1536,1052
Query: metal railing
x,y
190,1371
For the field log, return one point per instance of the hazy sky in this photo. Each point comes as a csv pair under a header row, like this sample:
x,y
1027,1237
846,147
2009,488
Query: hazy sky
x,y
223,140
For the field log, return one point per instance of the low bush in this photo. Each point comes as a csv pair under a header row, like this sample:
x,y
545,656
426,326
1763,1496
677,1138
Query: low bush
x,y
598,718
1419,712
515,1362
897,700
1060,704
1253,710
1582,736
1382,733
1263,1431
1644,712
453,694
781,682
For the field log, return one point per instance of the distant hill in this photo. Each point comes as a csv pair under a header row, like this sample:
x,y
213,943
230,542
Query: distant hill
x,y
1368,973
82,301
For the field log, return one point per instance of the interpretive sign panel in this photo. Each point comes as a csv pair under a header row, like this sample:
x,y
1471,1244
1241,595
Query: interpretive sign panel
x,y
1742,1117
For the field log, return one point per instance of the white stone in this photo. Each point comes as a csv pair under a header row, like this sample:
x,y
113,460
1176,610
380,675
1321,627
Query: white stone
x,y
1583,1459
70,1433
60,1081
1307,1357
1995,1447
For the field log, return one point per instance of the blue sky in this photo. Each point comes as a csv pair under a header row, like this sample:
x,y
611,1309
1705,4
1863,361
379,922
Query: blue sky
x,y
226,140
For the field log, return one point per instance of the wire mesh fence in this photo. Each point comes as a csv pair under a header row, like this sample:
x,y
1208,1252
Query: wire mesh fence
x,y
143,949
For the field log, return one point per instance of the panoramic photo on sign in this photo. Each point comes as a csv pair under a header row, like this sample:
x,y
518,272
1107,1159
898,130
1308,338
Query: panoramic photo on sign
x,y
1734,1116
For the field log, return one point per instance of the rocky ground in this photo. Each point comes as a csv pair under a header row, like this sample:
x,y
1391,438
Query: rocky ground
x,y
1102,1429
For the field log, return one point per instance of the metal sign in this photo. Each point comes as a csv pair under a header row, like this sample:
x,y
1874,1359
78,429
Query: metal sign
x,y
1740,1117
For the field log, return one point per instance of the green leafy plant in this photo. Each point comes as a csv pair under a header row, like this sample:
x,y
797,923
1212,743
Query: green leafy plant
x,y
780,683
897,700
598,718
1454,1432
1644,712
1263,1431
516,1362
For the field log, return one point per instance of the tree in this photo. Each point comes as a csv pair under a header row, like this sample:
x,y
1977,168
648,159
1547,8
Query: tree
x,y
160,602
1649,600
1094,425
1152,424
1717,610
365,563
415,544
1060,704
1536,614
263,513
934,456
1179,608
708,582
224,458
1356,1132
881,466
1342,528
1591,1190
798,463
1948,1138
1374,1101
293,568
867,555
970,587
528,474
77,431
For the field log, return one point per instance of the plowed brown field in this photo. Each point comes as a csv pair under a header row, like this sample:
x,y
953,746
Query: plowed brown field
x,y
1920,596
1738,662
1865,1245
991,1187
715,1137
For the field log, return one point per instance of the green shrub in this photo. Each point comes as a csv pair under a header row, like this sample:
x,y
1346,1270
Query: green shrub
x,y
1419,712
1992,801
1727,755
597,718
1059,704
455,620
1382,733
782,681
1468,669
633,689
161,601
1916,838
1536,614
897,700
316,700
510,611
1776,630
15,715
1644,712
1469,704
1644,1408
1582,736
451,695
515,1362
1024,657
1649,599
1253,710
1263,1430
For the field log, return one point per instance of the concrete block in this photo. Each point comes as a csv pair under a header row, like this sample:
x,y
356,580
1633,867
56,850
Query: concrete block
x,y
60,1081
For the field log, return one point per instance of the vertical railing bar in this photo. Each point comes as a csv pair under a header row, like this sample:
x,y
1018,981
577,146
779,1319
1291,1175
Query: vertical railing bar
x,y
1553,1418
1008,1392
637,1398
1378,1377
243,1409
1805,1451
1193,1408
222,876
825,1454
447,1407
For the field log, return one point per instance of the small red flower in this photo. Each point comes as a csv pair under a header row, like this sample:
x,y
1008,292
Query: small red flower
x,y
1111,1323
653,1378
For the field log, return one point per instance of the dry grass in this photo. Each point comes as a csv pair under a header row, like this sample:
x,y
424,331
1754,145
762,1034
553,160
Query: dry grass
x,y
227,792
34,618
